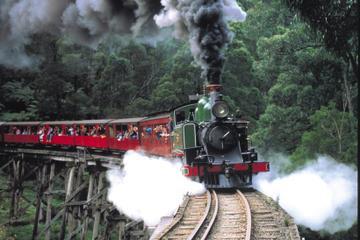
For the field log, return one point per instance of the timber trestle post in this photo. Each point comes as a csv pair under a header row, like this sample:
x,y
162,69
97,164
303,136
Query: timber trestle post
x,y
17,189
68,195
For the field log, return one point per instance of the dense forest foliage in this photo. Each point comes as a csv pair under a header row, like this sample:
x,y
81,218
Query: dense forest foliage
x,y
292,69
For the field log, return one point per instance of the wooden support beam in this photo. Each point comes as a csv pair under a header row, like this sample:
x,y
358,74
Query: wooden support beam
x,y
49,199
102,207
57,192
132,224
98,207
43,180
38,204
31,203
96,196
107,232
74,194
31,172
78,186
121,226
13,179
89,195
72,234
6,165
47,226
16,188
68,190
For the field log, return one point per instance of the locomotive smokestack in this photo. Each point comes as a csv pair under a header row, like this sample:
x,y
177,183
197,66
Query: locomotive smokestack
x,y
214,94
214,76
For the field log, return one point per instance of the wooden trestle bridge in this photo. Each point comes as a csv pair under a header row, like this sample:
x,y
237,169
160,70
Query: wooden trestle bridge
x,y
78,179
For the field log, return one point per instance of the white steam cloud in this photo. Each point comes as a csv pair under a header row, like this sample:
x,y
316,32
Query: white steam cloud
x,y
321,196
148,188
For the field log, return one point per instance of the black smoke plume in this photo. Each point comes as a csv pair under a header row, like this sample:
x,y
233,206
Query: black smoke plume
x,y
204,22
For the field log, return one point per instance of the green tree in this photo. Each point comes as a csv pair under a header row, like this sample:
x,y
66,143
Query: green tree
x,y
280,129
337,23
21,97
332,132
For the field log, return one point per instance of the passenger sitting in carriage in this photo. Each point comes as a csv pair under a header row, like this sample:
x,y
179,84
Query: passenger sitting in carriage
x,y
120,135
134,133
102,131
50,134
41,133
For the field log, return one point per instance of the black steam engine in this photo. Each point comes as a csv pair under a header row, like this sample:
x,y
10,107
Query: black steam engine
x,y
215,145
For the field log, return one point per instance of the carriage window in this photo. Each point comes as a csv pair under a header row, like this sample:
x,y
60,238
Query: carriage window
x,y
11,130
180,117
120,132
34,130
161,133
19,130
129,131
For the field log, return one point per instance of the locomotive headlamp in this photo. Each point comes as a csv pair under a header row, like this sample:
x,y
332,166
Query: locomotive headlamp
x,y
220,109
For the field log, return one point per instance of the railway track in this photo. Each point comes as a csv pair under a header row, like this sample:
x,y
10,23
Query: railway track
x,y
264,223
232,219
186,218
211,216
248,215
269,220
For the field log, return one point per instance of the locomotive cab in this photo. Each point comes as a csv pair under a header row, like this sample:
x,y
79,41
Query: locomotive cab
x,y
184,132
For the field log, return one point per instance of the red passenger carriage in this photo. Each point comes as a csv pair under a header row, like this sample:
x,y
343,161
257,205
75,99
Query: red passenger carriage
x,y
92,133
124,134
21,132
60,135
155,135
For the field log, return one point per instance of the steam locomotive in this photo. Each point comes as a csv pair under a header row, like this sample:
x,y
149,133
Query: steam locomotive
x,y
213,146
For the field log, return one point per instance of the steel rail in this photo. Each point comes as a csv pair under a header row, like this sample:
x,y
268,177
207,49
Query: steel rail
x,y
248,215
202,220
212,221
176,220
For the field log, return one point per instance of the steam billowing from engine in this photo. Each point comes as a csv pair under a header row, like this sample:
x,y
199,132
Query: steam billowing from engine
x,y
322,195
148,188
87,22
